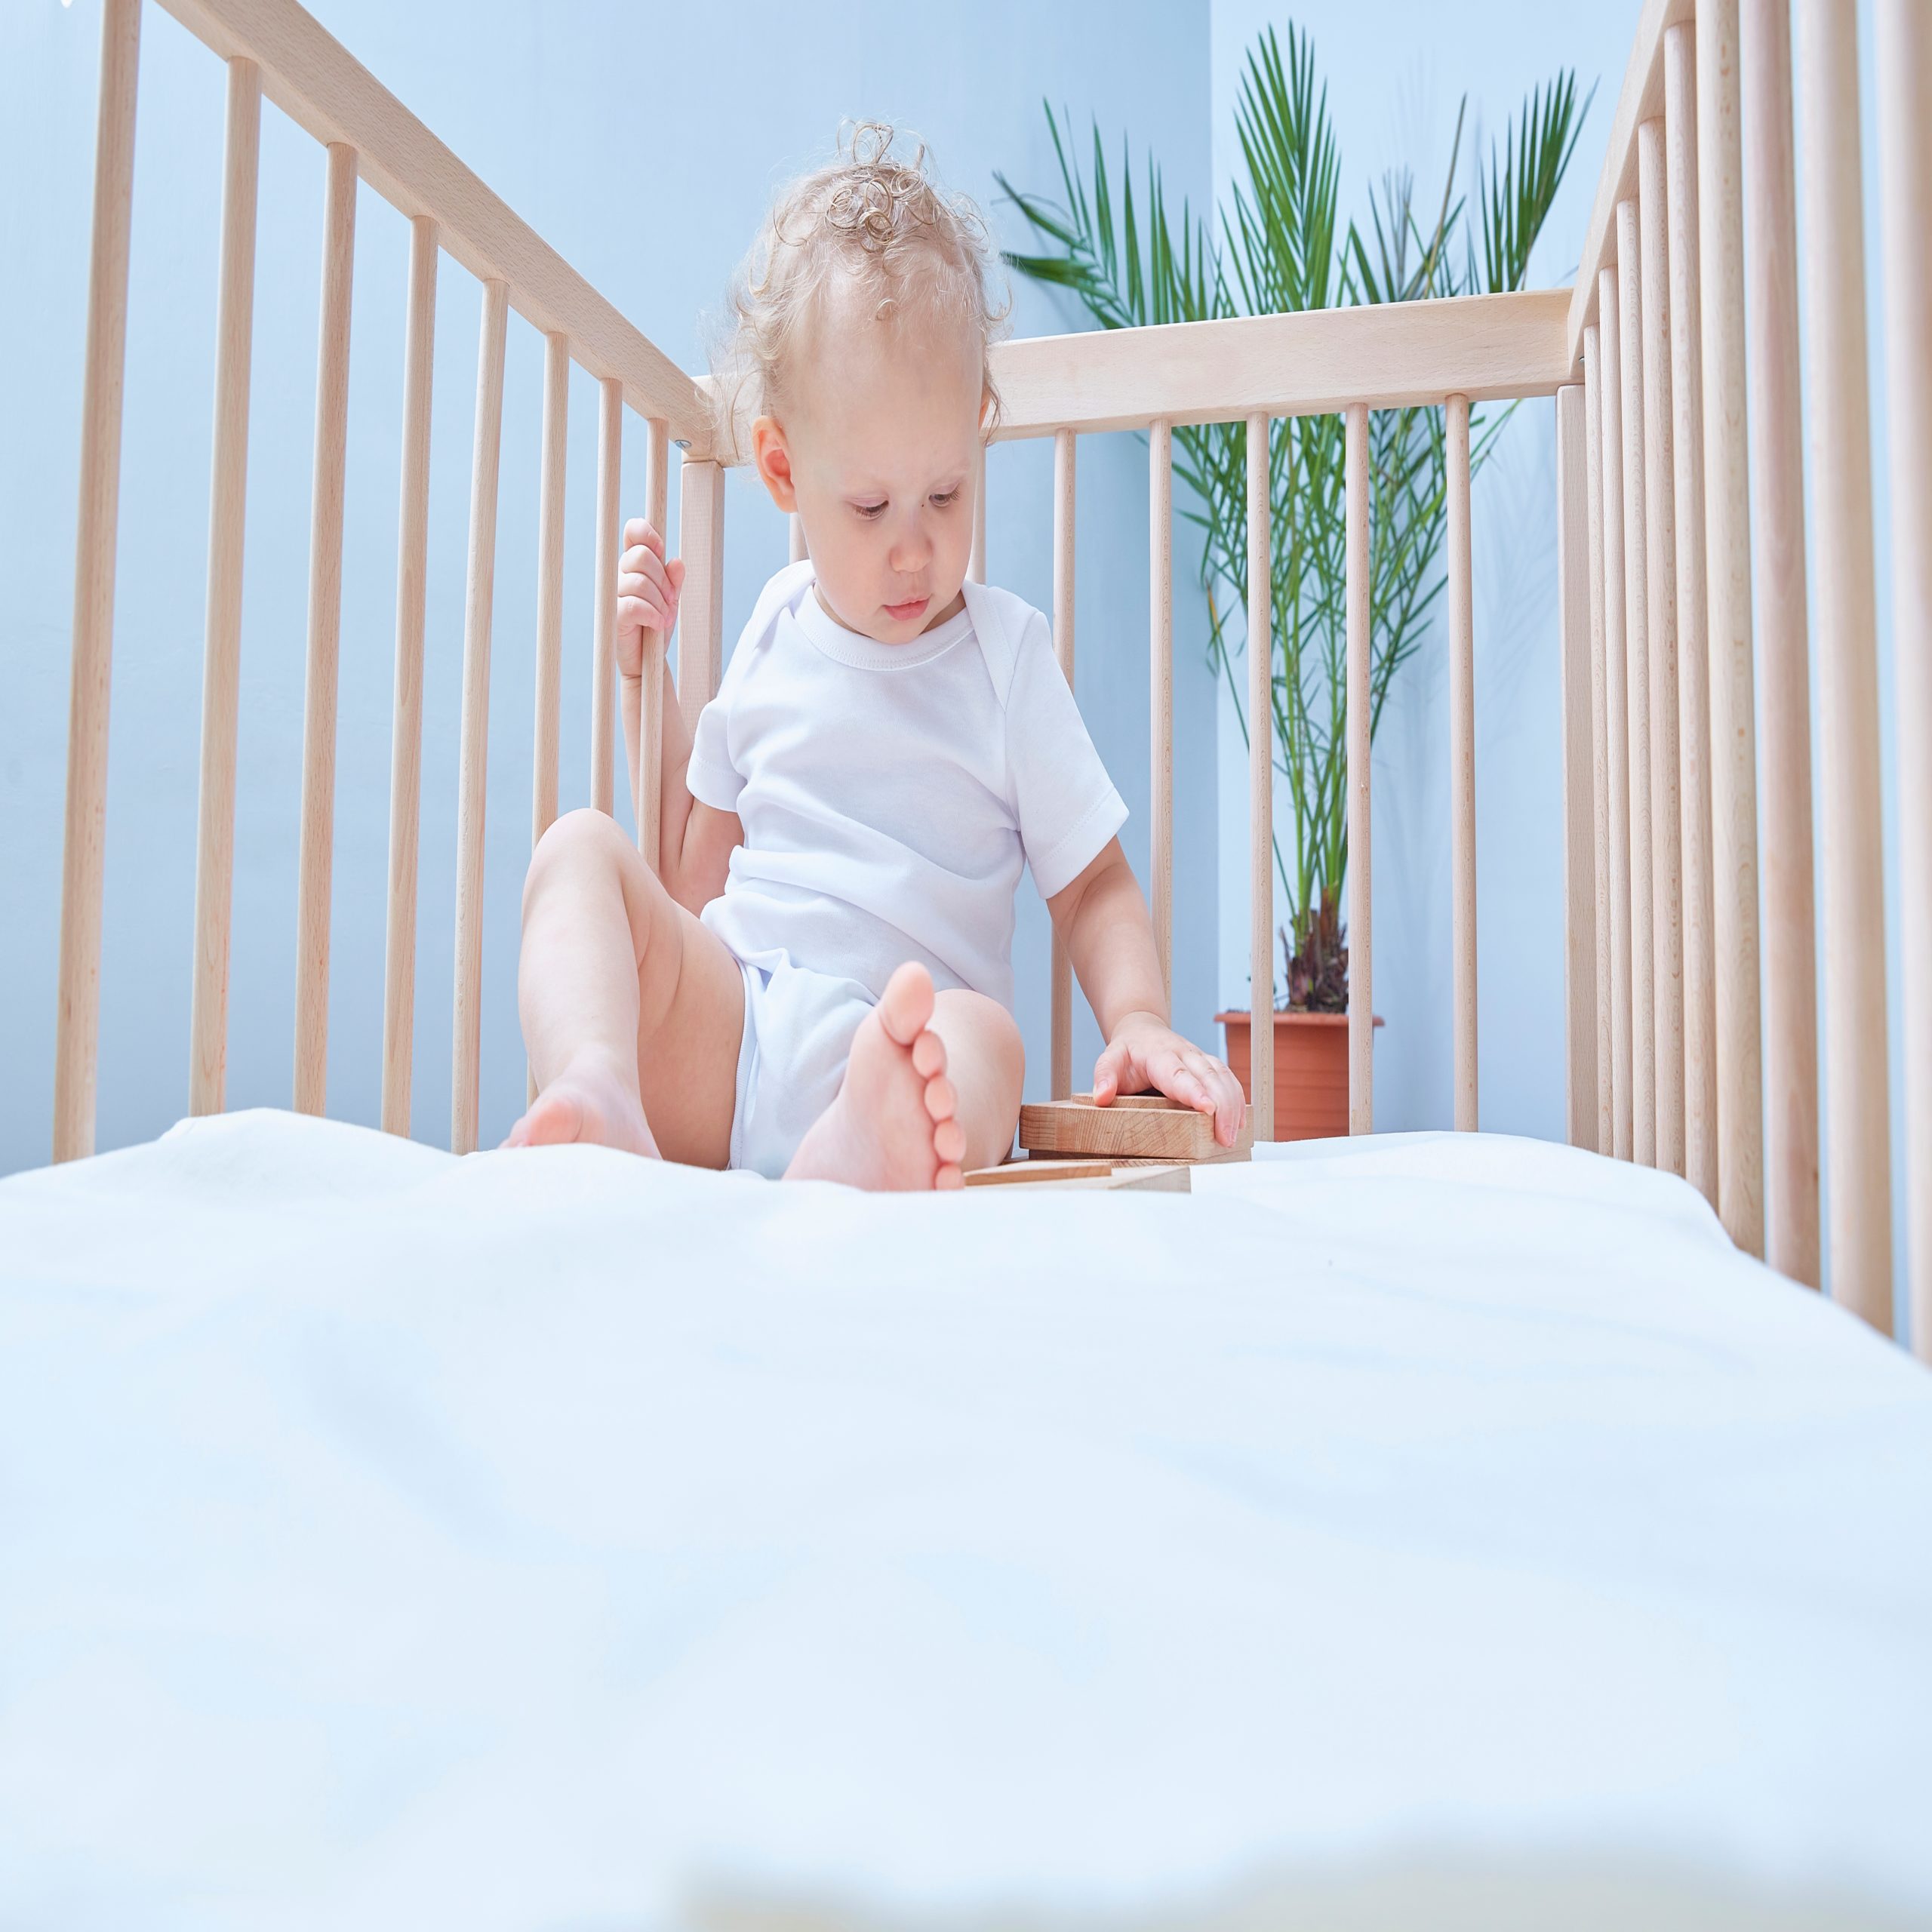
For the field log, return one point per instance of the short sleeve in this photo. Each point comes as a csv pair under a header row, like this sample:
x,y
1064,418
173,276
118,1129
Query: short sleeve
x,y
1066,804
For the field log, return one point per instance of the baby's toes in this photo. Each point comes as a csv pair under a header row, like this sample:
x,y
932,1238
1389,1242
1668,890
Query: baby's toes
x,y
949,1143
929,1054
906,1005
942,1101
950,1174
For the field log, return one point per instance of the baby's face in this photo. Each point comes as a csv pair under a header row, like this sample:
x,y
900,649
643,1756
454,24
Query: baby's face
x,y
878,453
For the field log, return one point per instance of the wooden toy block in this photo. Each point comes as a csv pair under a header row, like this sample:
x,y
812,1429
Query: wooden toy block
x,y
1139,1177
1143,1126
1155,1177
1010,1172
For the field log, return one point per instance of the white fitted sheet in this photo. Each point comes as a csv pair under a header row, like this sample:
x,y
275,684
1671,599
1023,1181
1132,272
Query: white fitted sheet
x,y
1427,1530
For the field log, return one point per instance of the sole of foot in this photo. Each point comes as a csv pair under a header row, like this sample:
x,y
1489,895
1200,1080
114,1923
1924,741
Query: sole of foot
x,y
892,1126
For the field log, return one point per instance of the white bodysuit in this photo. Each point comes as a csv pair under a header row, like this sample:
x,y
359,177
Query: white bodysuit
x,y
889,794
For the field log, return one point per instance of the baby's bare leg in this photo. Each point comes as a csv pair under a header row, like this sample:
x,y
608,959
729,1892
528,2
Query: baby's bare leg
x,y
987,1065
632,1010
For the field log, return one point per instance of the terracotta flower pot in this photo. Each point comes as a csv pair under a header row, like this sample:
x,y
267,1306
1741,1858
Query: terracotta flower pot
x,y
1311,1072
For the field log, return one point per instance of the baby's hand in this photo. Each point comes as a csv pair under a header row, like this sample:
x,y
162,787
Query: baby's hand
x,y
648,588
1144,1052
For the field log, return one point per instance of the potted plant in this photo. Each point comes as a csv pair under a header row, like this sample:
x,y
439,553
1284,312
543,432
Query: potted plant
x,y
1282,249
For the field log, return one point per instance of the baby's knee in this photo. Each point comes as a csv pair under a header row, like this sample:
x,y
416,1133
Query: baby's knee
x,y
580,841
994,1037
1003,1031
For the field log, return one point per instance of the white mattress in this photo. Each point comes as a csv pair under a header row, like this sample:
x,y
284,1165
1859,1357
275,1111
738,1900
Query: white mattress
x,y
1427,1531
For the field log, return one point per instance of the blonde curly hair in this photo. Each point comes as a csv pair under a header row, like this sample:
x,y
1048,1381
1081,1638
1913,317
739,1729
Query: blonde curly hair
x,y
879,217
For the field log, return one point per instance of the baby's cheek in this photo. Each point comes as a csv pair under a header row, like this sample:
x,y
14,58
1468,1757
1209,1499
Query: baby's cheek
x,y
840,566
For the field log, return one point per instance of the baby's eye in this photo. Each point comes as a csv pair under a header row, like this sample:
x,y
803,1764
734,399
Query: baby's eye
x,y
870,510
945,497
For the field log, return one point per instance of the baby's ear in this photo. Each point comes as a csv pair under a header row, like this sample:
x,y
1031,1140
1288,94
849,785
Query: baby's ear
x,y
772,457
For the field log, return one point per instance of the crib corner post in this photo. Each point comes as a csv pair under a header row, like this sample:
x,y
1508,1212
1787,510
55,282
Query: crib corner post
x,y
701,542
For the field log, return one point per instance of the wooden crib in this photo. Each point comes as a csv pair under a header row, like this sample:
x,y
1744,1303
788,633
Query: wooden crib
x,y
1693,1035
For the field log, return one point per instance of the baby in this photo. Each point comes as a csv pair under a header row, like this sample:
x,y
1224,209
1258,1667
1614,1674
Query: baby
x,y
817,980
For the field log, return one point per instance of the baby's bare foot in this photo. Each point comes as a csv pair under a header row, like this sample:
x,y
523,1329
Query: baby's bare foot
x,y
588,1100
892,1124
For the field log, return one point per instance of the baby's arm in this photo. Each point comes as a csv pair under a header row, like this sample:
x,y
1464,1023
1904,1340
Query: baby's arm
x,y
1109,938
695,841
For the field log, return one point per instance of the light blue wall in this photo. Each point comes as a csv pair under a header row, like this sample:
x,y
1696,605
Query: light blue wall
x,y
1394,72
643,144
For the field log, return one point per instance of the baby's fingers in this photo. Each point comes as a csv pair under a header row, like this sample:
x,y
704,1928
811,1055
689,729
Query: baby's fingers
x,y
1230,1102
645,602
1110,1070
641,530
1172,1073
646,578
641,607
639,613
640,561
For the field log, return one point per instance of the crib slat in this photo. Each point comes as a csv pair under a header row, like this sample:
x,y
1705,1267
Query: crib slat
x,y
976,568
796,534
1727,562
1260,783
657,475
550,494
648,803
1461,761
700,611
1693,742
1778,592
406,744
547,705
1857,1097
604,600
1616,686
214,856
1161,697
1062,980
1579,957
1362,904
472,767
1604,1139
316,861
77,1027
1636,639
1904,63
1660,628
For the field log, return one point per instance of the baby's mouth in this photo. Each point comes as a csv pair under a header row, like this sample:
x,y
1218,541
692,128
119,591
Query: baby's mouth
x,y
902,613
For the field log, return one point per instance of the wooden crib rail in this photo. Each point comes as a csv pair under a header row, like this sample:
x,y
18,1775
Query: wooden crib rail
x,y
1321,362
1701,421
272,47
315,81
